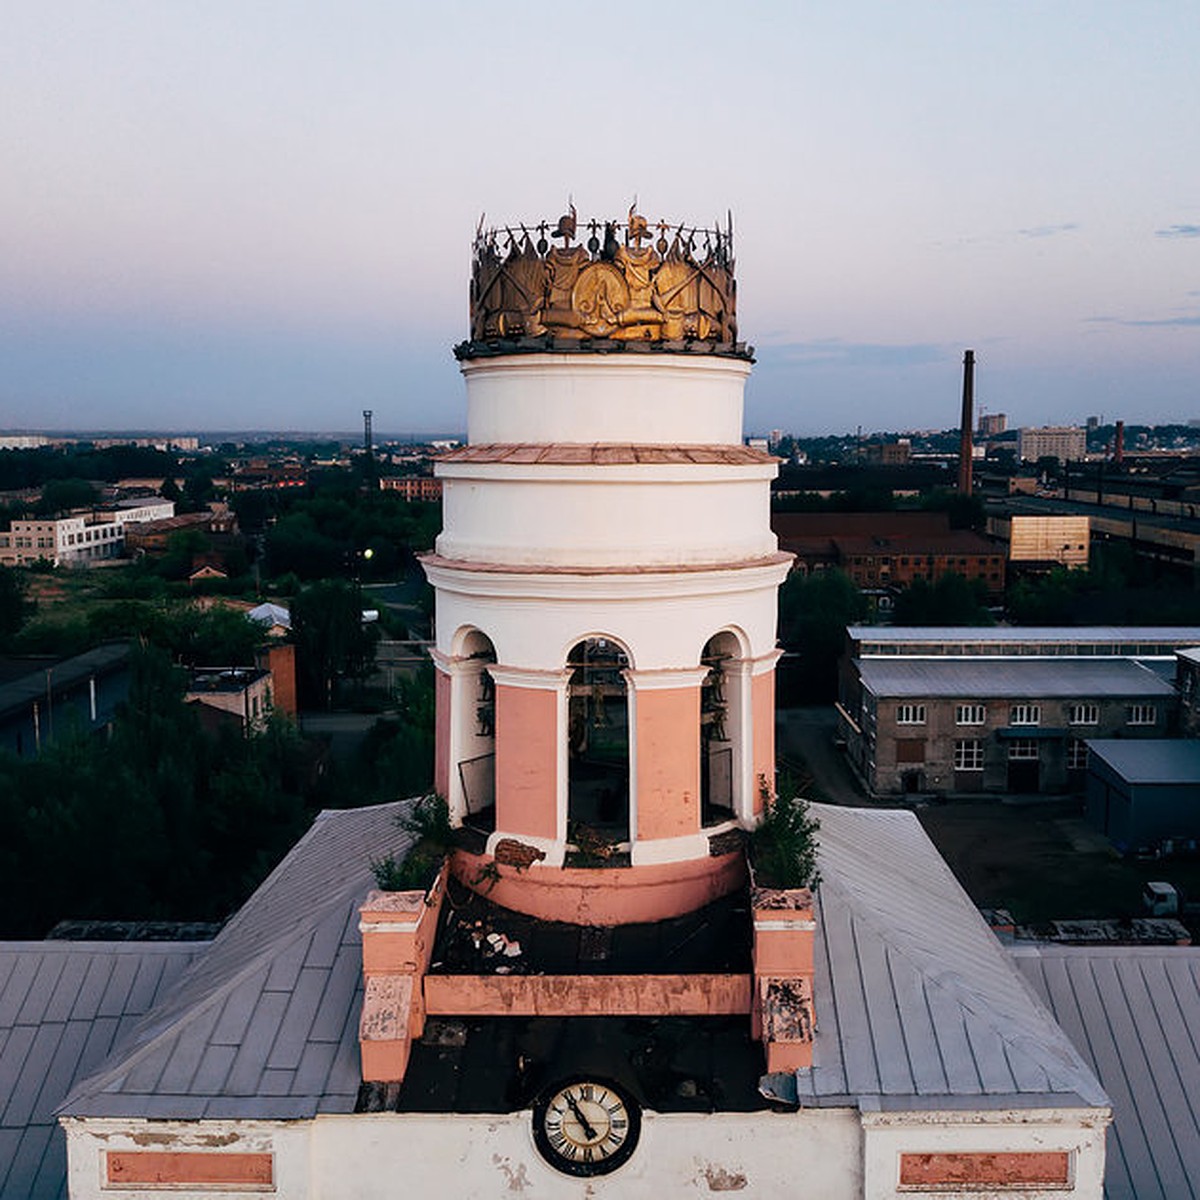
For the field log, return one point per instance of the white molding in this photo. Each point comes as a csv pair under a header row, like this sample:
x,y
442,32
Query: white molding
x,y
663,679
603,584
528,677
765,663
687,848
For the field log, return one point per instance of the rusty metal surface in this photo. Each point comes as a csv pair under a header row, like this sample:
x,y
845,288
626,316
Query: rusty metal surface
x,y
626,283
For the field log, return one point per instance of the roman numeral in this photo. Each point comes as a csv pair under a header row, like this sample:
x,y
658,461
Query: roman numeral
x,y
585,1092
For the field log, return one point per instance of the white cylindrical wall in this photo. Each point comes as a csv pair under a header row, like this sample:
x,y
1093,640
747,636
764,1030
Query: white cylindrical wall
x,y
663,620
606,516
651,399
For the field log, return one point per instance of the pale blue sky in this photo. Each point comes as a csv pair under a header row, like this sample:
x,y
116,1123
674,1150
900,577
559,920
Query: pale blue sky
x,y
227,215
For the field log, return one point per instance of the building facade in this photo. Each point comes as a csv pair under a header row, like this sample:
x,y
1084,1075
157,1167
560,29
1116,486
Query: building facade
x,y
79,539
1067,443
1003,711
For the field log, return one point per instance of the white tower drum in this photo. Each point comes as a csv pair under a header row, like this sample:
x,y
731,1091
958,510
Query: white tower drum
x,y
606,577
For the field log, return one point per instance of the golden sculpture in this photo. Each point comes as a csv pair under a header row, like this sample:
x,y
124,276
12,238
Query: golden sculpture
x,y
677,291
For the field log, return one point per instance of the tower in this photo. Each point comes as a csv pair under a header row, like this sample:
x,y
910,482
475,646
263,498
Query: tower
x,y
606,576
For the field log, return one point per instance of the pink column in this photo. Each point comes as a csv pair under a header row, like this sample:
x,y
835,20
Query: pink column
x,y
442,718
668,762
527,760
762,711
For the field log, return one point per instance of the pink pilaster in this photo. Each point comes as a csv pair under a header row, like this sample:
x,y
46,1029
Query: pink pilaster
x,y
668,762
527,760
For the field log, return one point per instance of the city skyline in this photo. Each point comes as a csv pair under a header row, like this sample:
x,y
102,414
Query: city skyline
x,y
231,218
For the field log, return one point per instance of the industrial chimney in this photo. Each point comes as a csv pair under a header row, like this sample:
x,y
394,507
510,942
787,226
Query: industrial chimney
x,y
968,416
1119,443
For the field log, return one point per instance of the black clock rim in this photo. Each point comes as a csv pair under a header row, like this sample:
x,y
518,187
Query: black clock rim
x,y
604,1166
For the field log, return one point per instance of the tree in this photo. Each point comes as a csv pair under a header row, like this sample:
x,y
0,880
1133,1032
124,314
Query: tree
x,y
15,608
332,642
952,600
62,495
814,611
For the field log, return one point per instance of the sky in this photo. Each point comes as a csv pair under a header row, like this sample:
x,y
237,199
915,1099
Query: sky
x,y
258,214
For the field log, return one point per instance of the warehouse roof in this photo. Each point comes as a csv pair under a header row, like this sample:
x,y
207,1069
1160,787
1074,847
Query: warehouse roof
x,y
1032,678
1133,1013
1110,636
1150,760
63,1008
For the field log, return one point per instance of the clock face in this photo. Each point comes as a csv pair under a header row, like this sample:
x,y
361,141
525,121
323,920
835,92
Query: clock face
x,y
586,1126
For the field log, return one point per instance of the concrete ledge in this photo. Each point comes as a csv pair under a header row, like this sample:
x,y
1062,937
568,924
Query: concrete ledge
x,y
586,995
603,895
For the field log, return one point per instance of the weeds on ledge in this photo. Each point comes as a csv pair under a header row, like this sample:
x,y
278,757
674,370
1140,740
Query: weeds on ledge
x,y
429,820
783,848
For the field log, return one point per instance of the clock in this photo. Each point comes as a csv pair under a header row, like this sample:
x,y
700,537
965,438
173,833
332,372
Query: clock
x,y
586,1126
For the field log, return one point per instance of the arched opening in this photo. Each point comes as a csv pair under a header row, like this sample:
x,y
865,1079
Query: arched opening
x,y
475,766
720,729
597,745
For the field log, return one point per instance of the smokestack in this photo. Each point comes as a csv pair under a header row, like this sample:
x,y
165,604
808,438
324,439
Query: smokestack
x,y
965,463
1119,443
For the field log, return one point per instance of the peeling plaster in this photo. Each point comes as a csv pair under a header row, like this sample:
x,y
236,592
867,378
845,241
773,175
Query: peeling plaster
x,y
721,1180
516,1179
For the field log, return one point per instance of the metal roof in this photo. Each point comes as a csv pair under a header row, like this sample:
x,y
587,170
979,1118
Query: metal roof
x,y
1033,678
63,1007
25,690
1066,634
1134,1012
265,1024
1150,760
916,1000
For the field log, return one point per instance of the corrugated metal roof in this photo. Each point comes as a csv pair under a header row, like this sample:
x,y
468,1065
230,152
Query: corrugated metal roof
x,y
915,998
1066,634
1134,1012
1150,760
25,690
1016,677
265,1024
63,1007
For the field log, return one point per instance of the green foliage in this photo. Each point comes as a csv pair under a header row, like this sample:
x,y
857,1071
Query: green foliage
x,y
429,819
952,600
814,611
159,821
15,607
783,847
332,643
413,873
62,495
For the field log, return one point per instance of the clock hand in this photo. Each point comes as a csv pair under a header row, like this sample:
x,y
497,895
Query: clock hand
x,y
587,1125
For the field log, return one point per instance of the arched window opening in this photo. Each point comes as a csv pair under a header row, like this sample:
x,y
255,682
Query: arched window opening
x,y
597,748
476,764
720,729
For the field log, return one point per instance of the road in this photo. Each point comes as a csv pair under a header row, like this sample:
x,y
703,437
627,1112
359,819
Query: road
x,y
807,733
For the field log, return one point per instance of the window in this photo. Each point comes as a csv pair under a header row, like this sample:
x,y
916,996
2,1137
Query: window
x,y
970,714
1141,714
1023,750
910,714
968,755
1077,755
1084,714
910,750
1025,714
